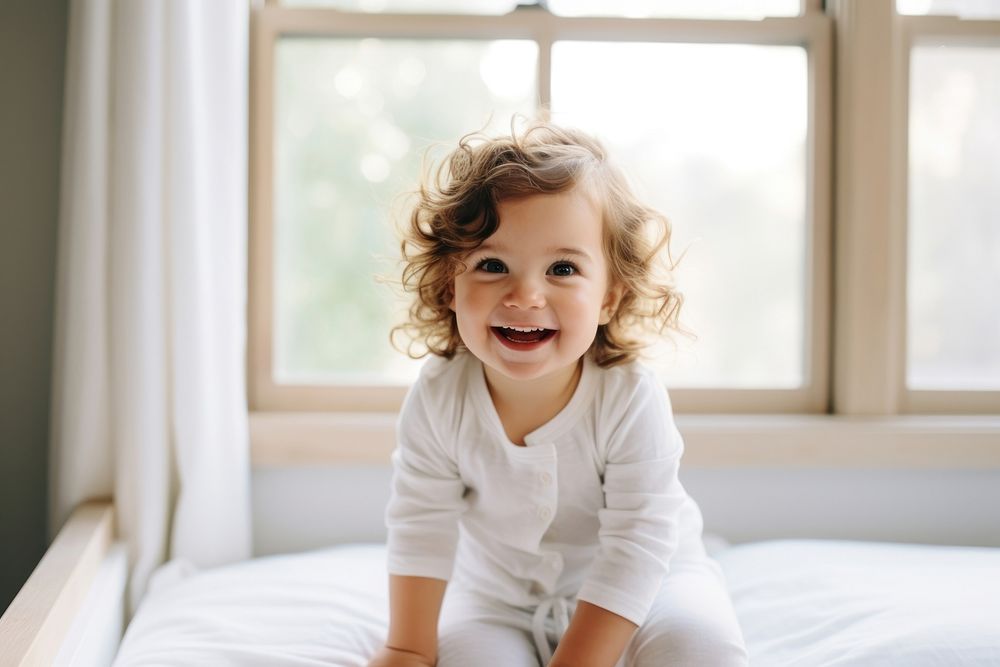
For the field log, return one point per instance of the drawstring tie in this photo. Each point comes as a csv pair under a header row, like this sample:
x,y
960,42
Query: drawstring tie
x,y
558,608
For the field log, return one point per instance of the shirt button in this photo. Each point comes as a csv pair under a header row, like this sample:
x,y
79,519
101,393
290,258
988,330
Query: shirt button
x,y
544,513
545,478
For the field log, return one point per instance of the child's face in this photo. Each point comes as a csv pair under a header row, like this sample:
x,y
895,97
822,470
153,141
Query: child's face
x,y
544,268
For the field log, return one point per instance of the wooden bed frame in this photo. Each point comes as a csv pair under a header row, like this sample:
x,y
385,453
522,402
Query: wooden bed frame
x,y
72,608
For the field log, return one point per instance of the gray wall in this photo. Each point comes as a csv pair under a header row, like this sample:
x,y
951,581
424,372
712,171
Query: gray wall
x,y
301,508
32,67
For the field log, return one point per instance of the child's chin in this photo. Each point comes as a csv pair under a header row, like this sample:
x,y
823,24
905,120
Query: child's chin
x,y
527,371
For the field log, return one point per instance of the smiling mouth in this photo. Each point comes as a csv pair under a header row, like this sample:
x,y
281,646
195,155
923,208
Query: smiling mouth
x,y
522,336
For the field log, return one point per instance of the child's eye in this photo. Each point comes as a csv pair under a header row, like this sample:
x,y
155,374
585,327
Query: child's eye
x,y
490,265
562,269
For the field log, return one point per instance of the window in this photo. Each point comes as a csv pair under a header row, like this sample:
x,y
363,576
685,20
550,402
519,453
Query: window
x,y
952,204
352,118
873,298
719,110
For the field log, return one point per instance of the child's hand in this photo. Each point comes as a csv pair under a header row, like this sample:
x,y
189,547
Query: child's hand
x,y
392,657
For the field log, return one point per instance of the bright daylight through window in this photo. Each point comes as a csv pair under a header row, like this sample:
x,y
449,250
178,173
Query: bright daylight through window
x,y
714,134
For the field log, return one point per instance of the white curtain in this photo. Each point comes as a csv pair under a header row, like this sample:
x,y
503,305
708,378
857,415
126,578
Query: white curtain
x,y
149,399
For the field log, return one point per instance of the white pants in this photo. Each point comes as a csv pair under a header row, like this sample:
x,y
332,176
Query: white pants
x,y
692,622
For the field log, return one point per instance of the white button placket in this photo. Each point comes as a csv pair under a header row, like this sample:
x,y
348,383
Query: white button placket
x,y
547,491
548,500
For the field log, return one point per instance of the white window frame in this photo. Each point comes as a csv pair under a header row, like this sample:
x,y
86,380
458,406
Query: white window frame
x,y
813,31
953,31
872,218
855,418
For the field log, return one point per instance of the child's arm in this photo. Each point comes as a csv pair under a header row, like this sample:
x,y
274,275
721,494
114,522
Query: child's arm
x,y
596,637
415,604
422,516
639,526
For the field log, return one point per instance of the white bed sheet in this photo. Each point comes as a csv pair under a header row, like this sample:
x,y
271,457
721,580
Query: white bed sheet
x,y
325,607
856,603
800,603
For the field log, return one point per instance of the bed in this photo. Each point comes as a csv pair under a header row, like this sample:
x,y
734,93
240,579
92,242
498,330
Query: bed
x,y
800,602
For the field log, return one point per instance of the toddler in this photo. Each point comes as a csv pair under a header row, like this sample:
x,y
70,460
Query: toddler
x,y
535,478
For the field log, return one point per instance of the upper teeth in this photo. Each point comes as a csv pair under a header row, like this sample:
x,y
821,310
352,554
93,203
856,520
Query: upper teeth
x,y
526,329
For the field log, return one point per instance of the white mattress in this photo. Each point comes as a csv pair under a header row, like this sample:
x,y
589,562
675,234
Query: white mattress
x,y
325,607
856,603
799,602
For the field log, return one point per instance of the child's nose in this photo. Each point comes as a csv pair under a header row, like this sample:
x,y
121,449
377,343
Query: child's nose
x,y
525,293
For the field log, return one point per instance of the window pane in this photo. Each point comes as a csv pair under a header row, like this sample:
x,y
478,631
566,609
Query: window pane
x,y
413,6
970,9
954,228
715,136
711,9
353,118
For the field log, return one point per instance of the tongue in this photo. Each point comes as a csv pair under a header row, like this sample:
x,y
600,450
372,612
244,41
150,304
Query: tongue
x,y
523,336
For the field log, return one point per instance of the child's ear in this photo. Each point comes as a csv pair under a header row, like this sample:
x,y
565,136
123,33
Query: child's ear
x,y
611,300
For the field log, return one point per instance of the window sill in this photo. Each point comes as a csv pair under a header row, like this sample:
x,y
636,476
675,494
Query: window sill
x,y
717,441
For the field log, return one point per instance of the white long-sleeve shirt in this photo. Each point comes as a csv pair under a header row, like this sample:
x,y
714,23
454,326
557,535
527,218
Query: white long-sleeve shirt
x,y
590,509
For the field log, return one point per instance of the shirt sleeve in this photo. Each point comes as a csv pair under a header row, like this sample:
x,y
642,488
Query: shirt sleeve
x,y
427,496
642,504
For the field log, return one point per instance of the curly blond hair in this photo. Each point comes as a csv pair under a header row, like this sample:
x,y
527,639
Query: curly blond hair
x,y
456,210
